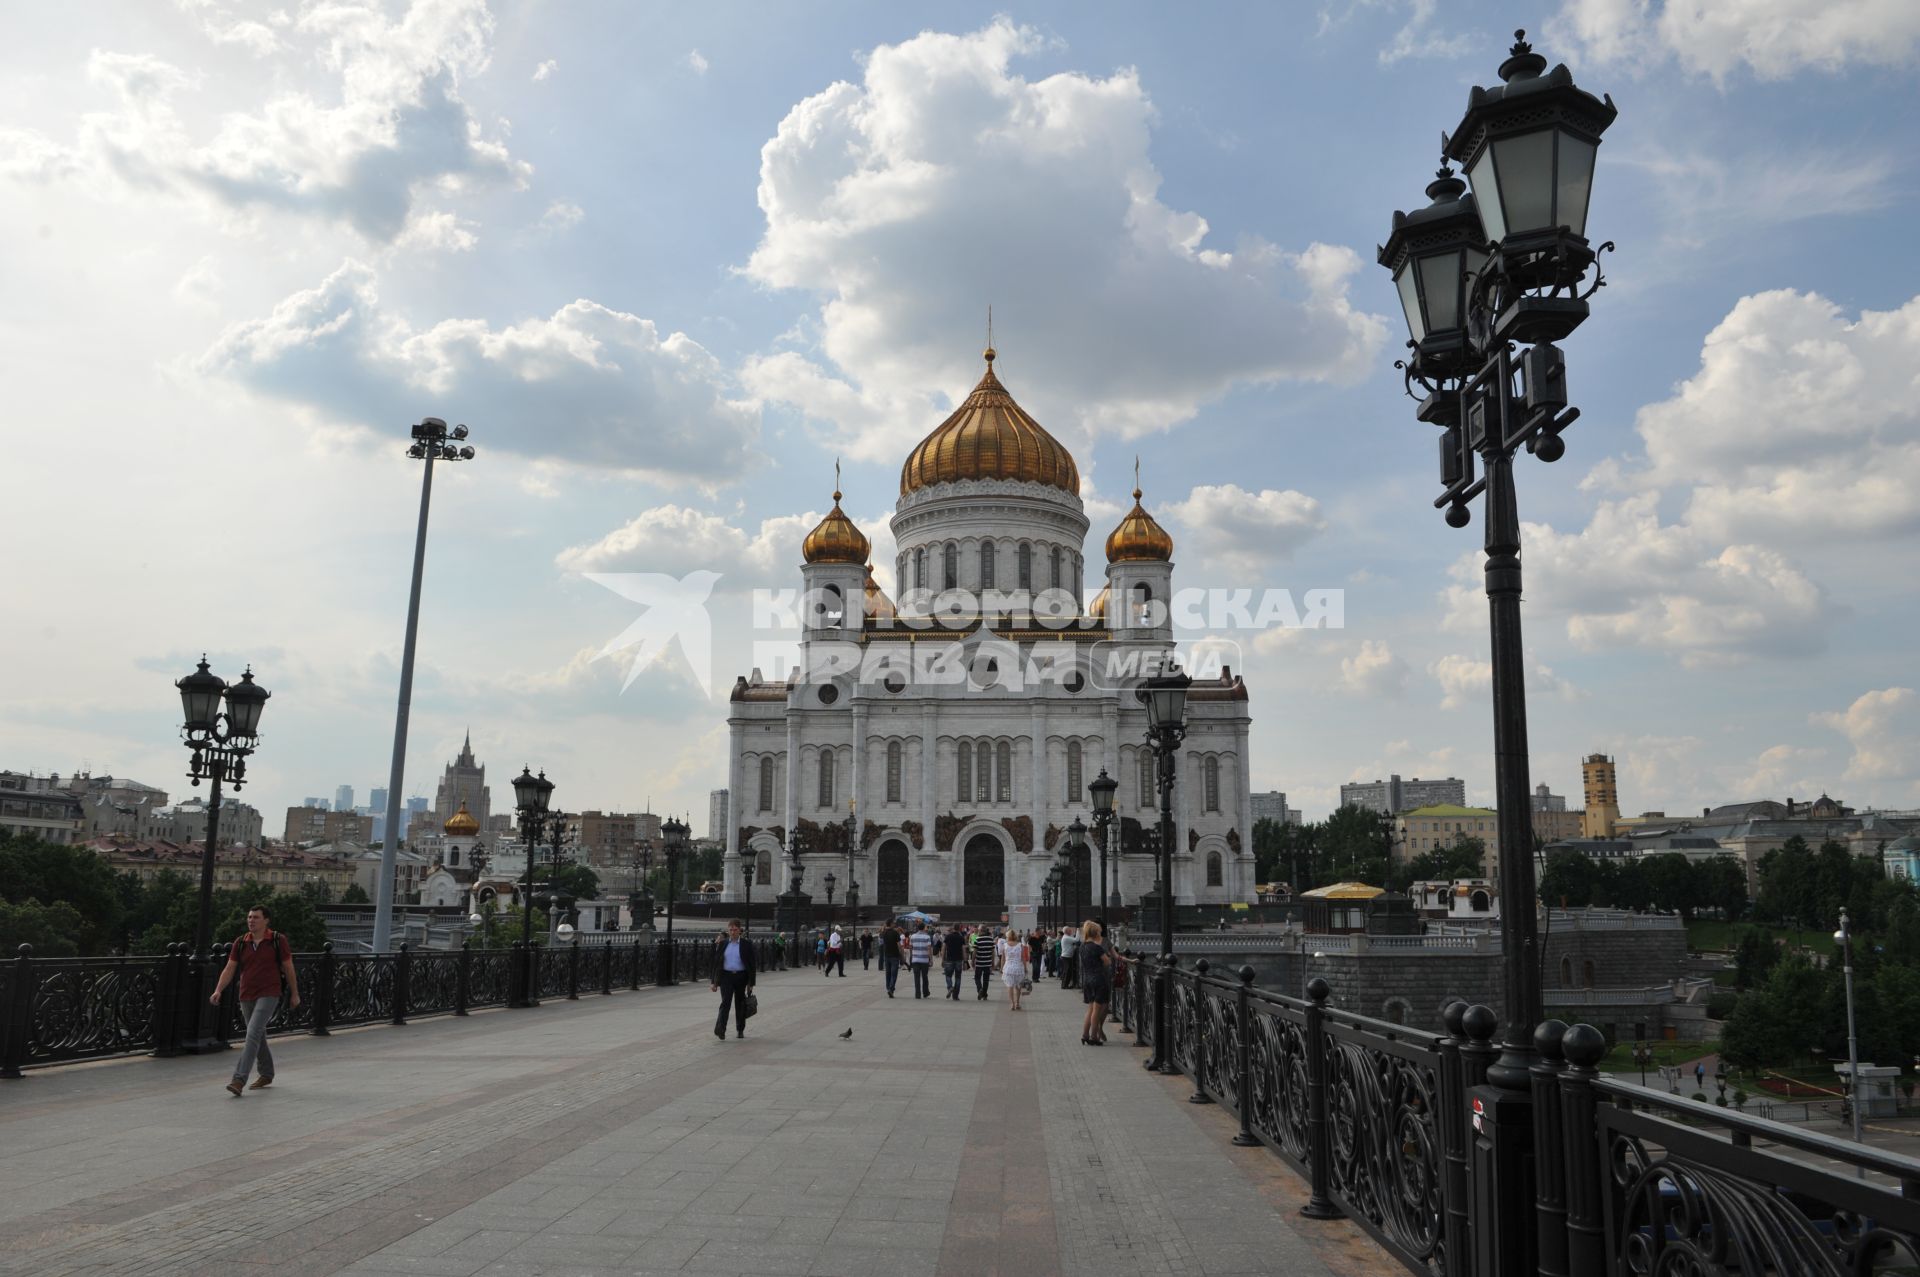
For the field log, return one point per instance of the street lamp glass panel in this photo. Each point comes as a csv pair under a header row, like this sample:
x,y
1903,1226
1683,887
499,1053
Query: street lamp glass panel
x,y
1486,197
1410,301
1523,172
1440,289
525,787
200,698
245,700
1576,182
542,793
1166,699
1103,789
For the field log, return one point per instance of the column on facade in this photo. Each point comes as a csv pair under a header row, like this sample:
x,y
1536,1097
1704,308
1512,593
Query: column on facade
x,y
1186,778
790,806
1243,802
929,797
736,770
859,793
1034,868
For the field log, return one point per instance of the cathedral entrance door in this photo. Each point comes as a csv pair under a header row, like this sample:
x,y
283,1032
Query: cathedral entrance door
x,y
893,875
985,873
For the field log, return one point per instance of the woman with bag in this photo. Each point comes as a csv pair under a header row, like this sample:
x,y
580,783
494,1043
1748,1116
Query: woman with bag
x,y
1096,982
1010,955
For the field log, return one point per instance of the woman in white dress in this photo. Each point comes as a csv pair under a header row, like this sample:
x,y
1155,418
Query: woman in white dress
x,y
1010,954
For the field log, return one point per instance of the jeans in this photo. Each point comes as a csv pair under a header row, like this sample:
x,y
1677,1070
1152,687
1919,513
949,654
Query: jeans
x,y
733,996
980,977
952,972
922,986
890,965
256,1012
866,959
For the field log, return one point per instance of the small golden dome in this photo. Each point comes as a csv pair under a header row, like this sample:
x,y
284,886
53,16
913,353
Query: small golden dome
x,y
461,824
1098,610
989,436
879,606
836,540
1139,539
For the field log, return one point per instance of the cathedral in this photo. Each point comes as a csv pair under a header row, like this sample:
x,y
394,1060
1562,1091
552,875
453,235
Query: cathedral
x,y
950,737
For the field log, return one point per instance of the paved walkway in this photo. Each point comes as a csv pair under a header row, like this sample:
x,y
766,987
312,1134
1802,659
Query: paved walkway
x,y
615,1135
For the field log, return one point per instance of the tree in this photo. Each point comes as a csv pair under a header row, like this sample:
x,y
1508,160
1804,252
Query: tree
x,y
1754,958
1571,880
1786,895
1721,884
355,894
1465,857
1670,883
581,882
49,873
1354,843
1800,1010
52,930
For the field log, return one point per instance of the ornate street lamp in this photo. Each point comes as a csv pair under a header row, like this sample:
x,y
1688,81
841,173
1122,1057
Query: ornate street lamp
x,y
1049,892
1102,788
1165,697
640,893
1844,938
1483,313
220,741
794,903
531,797
1076,857
432,441
746,878
853,887
674,834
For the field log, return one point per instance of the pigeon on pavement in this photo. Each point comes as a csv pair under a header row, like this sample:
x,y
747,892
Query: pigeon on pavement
x,y
846,1035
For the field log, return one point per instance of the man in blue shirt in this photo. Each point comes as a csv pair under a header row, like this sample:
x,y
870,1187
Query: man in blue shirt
x,y
733,980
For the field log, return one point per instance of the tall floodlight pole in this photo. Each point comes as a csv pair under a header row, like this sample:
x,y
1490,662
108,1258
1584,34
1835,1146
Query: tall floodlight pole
x,y
430,443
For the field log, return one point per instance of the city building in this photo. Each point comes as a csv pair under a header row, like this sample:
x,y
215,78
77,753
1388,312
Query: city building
x,y
964,761
343,798
319,824
1551,826
377,801
37,807
464,783
318,804
102,815
607,840
240,823
234,865
1545,799
1440,825
1393,795
1601,787
717,814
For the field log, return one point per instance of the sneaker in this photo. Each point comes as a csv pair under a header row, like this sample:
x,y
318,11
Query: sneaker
x,y
260,1082
234,1088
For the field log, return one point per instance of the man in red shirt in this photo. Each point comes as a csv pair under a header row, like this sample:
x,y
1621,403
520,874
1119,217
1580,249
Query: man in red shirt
x,y
260,958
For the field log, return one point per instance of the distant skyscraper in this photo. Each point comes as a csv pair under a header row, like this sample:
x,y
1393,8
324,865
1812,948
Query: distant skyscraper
x,y
1601,789
464,781
717,814
377,801
321,803
1271,805
416,804
1393,795
343,798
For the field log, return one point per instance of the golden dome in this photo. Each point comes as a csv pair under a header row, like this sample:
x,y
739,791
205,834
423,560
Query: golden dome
x,y
836,540
878,604
1098,609
461,824
1139,539
989,436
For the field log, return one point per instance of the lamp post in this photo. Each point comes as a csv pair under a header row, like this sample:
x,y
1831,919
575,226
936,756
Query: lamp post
x,y
853,886
640,895
531,798
830,883
1165,697
1048,886
1102,788
1844,938
557,902
746,878
674,834
1489,281
1643,1056
220,741
794,904
432,441
1076,857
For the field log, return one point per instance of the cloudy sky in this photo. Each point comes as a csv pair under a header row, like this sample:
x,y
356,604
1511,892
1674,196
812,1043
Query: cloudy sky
x,y
670,261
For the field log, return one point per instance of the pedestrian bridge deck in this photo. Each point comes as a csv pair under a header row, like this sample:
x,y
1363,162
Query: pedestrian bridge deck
x,y
616,1135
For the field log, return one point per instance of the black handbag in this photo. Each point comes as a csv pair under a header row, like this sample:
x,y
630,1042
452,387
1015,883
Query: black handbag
x,y
751,1005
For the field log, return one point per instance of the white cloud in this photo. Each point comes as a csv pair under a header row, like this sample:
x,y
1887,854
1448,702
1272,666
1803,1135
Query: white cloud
x,y
200,284
218,23
1883,727
437,232
1773,38
1706,199
1466,680
1417,39
676,540
1244,532
587,386
545,69
561,216
1374,670
396,128
698,61
1779,769
944,181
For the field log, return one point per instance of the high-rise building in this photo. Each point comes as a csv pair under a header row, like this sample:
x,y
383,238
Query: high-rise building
x,y
417,803
343,798
319,803
1598,781
717,814
377,801
464,781
1545,799
1270,804
1393,795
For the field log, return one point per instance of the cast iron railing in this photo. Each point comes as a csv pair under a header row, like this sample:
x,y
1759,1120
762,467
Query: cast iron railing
x,y
1628,1182
60,1010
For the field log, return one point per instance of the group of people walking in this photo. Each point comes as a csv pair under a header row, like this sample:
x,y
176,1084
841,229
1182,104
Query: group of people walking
x,y
1080,958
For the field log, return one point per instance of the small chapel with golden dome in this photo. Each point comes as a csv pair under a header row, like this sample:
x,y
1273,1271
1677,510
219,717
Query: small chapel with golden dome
x,y
950,734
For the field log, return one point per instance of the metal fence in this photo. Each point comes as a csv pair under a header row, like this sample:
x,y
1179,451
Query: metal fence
x,y
1384,1124
60,1010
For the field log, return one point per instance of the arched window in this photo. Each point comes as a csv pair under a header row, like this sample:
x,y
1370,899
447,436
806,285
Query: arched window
x,y
950,566
1053,572
763,868
1146,778
1026,566
826,778
1586,973
1213,784
983,772
832,606
1566,973
1213,869
986,565
766,784
1142,602
1075,792
963,753
1003,758
893,771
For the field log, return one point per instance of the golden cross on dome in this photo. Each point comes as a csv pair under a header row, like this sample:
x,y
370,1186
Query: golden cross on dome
x,y
1136,476
836,478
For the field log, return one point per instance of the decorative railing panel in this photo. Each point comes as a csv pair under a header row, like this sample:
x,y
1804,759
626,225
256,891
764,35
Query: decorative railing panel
x,y
1277,1063
433,982
362,989
1384,1165
490,976
551,977
88,1008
